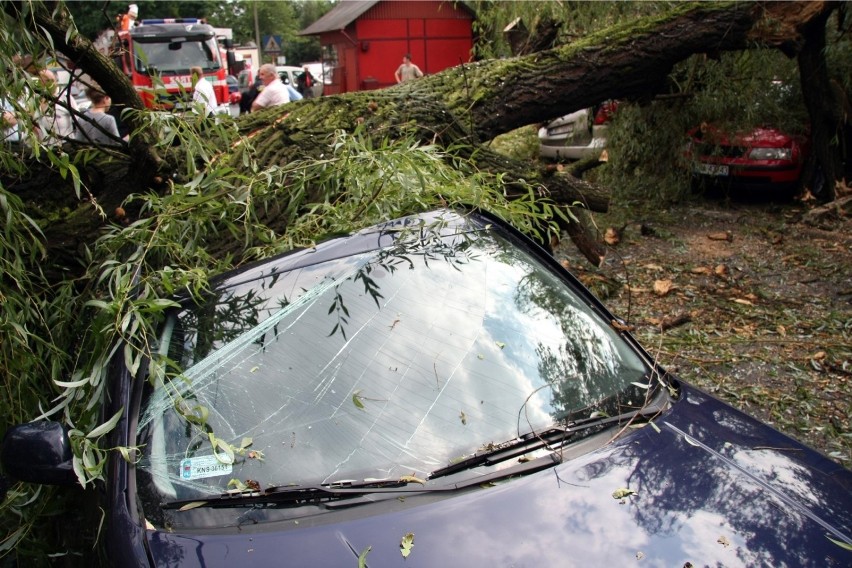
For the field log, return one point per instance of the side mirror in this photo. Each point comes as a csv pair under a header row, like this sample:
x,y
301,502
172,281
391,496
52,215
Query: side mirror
x,y
38,452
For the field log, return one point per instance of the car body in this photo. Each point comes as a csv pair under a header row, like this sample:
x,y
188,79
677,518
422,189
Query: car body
x,y
233,84
245,81
436,390
578,135
234,94
290,76
762,158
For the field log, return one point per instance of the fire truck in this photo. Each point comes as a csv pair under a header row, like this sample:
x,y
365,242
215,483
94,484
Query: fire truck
x,y
157,55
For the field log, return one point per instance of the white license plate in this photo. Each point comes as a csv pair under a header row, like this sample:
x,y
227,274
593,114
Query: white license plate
x,y
711,169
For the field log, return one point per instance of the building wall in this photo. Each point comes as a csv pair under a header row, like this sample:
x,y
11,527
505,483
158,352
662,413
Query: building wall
x,y
437,34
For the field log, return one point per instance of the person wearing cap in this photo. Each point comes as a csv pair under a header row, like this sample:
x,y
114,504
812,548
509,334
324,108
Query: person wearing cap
x,y
129,19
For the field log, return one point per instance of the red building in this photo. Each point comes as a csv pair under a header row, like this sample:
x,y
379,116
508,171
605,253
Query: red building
x,y
363,42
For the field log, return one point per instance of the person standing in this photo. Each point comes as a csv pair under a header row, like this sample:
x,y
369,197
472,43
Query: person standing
x,y
54,119
305,83
128,20
98,127
9,124
407,70
274,91
202,91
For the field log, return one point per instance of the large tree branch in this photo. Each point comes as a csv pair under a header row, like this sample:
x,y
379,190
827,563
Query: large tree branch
x,y
472,103
54,20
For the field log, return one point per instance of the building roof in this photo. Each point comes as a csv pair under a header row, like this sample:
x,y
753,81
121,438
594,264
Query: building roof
x,y
347,11
344,13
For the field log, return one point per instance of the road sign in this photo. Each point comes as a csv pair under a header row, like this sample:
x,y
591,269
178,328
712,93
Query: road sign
x,y
272,44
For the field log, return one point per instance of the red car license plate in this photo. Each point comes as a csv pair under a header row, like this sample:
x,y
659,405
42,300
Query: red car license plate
x,y
711,169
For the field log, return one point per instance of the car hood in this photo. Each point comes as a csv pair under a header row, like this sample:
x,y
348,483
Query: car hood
x,y
703,485
761,137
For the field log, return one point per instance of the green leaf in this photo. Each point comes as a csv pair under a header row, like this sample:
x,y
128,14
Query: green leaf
x,y
500,344
841,544
622,492
406,544
106,426
227,449
356,400
193,505
362,558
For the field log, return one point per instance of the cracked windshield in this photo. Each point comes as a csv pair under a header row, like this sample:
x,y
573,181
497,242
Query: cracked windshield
x,y
388,363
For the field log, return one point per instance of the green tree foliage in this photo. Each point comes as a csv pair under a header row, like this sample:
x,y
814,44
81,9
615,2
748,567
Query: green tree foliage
x,y
576,19
736,91
732,90
59,336
94,16
285,19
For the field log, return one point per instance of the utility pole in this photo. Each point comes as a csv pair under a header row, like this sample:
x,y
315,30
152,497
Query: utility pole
x,y
257,33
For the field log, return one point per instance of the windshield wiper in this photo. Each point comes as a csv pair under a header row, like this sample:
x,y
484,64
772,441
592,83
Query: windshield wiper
x,y
348,493
295,494
554,437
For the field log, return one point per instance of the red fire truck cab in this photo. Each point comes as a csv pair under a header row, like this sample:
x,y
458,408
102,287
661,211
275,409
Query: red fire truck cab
x,y
157,55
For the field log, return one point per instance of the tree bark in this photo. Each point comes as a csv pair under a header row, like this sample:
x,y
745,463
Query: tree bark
x,y
472,103
826,113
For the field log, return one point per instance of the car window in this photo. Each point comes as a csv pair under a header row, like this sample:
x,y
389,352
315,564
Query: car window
x,y
391,362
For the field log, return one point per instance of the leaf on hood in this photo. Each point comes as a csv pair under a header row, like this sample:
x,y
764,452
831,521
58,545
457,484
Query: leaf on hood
x,y
356,400
406,544
845,545
192,505
412,479
623,492
362,558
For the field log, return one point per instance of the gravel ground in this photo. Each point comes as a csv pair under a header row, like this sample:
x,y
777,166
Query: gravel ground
x,y
746,301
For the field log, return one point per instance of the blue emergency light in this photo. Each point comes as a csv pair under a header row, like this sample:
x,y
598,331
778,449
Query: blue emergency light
x,y
171,21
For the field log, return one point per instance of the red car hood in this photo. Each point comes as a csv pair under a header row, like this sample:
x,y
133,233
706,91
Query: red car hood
x,y
760,137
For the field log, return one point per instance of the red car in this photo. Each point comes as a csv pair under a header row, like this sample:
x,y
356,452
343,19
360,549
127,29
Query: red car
x,y
763,158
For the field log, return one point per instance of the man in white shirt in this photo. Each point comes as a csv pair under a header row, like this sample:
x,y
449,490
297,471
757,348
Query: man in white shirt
x,y
54,120
9,123
202,92
274,91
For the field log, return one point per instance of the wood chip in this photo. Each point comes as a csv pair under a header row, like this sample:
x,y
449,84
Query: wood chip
x,y
721,236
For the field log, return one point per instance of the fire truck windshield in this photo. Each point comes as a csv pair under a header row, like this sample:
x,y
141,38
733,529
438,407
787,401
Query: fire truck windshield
x,y
176,55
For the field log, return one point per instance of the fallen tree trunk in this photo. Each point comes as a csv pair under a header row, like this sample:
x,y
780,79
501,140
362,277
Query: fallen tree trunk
x,y
468,105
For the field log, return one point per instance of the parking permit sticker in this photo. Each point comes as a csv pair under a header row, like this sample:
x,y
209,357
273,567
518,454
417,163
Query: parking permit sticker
x,y
200,467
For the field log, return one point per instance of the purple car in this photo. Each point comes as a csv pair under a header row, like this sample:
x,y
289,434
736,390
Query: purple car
x,y
436,391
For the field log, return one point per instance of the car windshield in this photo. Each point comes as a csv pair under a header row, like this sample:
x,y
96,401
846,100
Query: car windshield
x,y
176,56
395,361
